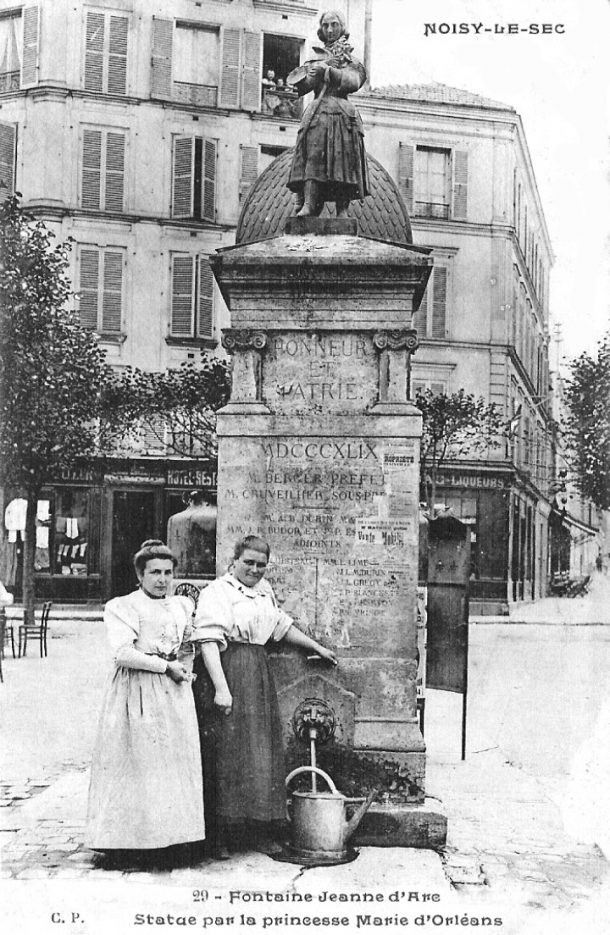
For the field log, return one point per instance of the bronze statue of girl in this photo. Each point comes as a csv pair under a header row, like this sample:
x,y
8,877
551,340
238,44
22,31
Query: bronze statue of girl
x,y
329,161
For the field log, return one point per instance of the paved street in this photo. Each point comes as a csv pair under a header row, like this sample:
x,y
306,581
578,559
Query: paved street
x,y
528,811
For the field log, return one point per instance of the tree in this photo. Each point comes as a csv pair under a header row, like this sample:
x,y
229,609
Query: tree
x,y
51,369
587,425
454,426
176,406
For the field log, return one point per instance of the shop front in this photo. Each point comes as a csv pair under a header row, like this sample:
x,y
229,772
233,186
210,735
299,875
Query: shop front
x,y
480,498
92,519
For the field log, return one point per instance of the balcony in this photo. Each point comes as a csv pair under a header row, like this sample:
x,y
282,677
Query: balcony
x,y
280,103
431,209
9,81
200,95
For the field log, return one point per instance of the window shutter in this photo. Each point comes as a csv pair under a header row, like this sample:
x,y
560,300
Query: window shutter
x,y
405,173
208,207
31,30
229,86
460,184
91,169
112,297
437,388
184,168
117,55
161,79
439,302
251,75
94,52
115,171
8,145
88,287
420,319
205,324
248,170
182,296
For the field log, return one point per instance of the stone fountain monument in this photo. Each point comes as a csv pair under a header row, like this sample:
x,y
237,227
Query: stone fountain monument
x,y
319,453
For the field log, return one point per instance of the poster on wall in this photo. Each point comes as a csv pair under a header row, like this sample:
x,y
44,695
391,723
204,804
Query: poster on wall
x,y
139,130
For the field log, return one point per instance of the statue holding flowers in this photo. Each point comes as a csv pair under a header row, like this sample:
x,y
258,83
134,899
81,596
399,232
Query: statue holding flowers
x,y
329,161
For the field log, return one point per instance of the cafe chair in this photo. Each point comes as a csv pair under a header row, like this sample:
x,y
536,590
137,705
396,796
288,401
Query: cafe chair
x,y
36,630
8,633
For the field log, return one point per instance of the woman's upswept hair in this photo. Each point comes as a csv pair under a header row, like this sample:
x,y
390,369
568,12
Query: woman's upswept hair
x,y
341,19
149,550
251,542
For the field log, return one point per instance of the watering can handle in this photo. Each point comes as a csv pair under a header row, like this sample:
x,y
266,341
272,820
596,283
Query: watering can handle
x,y
312,769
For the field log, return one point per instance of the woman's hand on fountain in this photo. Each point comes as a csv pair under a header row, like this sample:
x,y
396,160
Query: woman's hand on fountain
x,y
327,654
224,700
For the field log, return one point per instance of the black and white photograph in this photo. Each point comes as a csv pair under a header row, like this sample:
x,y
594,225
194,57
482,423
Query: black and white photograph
x,y
304,466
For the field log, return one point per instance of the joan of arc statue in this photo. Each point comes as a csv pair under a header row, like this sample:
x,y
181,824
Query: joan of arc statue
x,y
329,161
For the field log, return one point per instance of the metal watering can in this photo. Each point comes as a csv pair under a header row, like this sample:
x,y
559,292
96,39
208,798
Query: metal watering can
x,y
319,826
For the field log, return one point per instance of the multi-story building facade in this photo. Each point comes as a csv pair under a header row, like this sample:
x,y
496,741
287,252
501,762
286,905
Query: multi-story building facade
x,y
463,166
138,127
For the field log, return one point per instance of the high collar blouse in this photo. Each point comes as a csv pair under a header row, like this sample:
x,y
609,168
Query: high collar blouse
x,y
139,628
230,612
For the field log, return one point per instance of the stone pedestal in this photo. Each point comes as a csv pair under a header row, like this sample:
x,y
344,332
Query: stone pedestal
x,y
319,453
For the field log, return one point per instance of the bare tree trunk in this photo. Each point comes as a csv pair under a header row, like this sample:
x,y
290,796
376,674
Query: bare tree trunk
x,y
432,490
29,552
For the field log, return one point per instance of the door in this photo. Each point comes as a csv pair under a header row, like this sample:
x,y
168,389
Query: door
x,y
133,521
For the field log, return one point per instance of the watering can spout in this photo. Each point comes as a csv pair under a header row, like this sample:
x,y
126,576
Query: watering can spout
x,y
352,824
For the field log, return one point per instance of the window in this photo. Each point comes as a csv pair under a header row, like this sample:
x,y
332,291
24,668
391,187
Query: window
x,y
430,320
101,288
433,181
421,385
194,178
71,531
196,64
103,169
19,31
8,147
248,170
281,54
106,36
11,45
192,297
206,65
252,162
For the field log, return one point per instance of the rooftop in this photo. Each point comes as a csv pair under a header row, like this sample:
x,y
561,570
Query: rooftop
x,y
437,93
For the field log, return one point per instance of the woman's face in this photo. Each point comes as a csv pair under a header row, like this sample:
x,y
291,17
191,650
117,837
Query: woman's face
x,y
156,577
331,28
250,567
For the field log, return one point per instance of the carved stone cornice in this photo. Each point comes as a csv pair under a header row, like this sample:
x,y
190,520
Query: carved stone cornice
x,y
396,340
236,339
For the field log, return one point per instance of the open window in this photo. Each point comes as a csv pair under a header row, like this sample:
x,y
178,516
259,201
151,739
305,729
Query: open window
x,y
281,54
196,63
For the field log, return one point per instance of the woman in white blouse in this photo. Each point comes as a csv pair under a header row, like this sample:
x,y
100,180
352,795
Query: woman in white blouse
x,y
146,790
236,616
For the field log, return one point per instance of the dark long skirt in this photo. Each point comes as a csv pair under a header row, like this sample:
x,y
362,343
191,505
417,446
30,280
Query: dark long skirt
x,y
330,151
243,752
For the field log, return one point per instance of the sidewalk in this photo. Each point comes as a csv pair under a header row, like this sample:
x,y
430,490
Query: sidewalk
x,y
591,609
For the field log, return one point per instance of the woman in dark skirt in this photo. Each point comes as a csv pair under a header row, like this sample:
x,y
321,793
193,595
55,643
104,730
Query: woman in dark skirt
x,y
329,162
236,615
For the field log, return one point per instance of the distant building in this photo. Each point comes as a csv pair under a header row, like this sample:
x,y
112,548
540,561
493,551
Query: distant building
x,y
138,127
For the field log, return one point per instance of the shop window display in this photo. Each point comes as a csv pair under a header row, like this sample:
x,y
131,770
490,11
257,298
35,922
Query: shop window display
x,y
71,533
